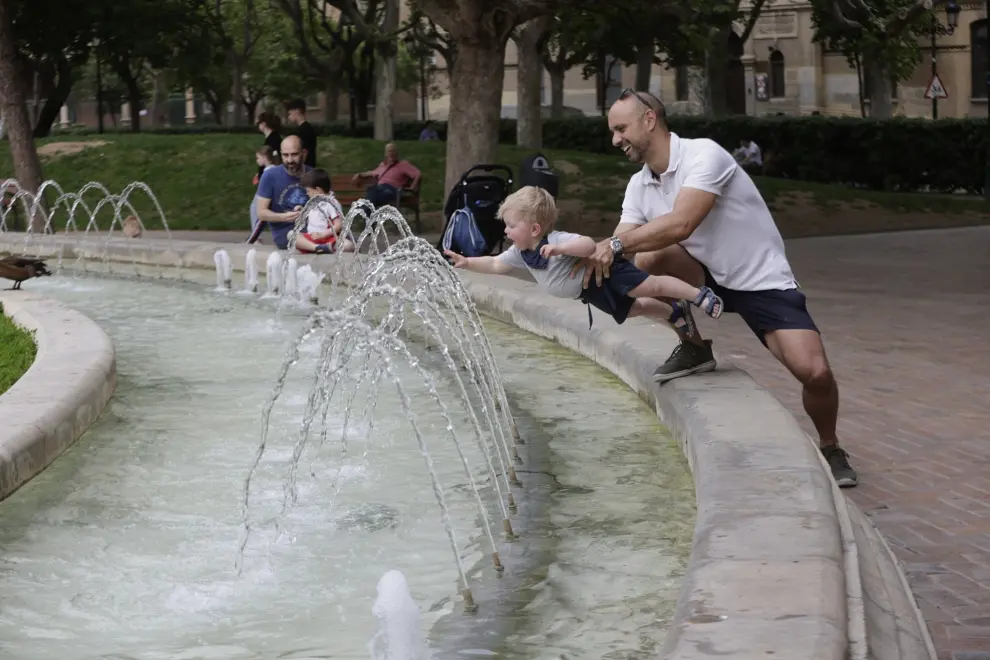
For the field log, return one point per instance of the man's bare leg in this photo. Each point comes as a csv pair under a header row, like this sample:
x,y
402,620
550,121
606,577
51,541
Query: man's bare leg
x,y
803,354
694,354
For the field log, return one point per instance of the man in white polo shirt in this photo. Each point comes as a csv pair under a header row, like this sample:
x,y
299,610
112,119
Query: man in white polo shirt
x,y
693,213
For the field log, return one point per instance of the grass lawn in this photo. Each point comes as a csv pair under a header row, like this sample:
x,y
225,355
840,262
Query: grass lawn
x,y
17,351
204,182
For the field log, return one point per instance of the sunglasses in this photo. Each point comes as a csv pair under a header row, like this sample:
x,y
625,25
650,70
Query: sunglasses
x,y
646,98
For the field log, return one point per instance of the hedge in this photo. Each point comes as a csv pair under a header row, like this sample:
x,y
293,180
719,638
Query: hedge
x,y
882,154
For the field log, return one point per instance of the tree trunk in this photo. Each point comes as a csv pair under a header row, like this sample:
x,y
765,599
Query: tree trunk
x,y
56,99
475,105
331,108
385,75
27,167
556,92
878,79
251,108
716,66
134,103
159,95
644,64
238,92
859,87
529,78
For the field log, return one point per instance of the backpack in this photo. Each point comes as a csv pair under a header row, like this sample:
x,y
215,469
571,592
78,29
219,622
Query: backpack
x,y
463,235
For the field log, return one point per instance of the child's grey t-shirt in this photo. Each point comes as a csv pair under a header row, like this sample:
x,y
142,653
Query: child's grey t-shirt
x,y
556,277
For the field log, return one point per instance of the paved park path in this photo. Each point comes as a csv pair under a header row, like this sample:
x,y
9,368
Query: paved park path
x,y
906,321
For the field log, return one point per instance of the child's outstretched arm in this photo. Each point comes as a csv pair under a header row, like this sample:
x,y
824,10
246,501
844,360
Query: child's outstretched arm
x,y
487,265
582,246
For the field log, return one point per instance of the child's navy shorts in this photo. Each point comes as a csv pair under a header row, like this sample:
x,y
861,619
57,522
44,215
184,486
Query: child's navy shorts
x,y
612,296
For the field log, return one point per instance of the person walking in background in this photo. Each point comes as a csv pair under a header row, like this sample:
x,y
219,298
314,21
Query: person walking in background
x,y
265,158
270,125
304,130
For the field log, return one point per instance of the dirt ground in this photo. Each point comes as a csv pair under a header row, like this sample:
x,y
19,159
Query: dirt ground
x,y
56,149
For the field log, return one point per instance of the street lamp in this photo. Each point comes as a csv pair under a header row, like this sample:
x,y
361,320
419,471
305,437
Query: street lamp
x,y
951,21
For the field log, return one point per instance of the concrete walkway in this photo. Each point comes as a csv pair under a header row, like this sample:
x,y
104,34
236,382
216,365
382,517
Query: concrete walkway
x,y
906,321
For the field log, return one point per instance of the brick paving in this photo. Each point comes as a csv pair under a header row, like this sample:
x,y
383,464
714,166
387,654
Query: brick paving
x,y
906,319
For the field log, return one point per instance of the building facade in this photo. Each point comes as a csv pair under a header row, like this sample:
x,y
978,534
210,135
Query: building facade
x,y
780,69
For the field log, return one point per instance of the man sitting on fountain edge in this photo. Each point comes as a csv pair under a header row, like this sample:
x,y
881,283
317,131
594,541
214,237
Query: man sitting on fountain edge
x,y
279,193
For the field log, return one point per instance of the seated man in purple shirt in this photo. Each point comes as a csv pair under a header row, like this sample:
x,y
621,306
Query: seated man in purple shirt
x,y
391,176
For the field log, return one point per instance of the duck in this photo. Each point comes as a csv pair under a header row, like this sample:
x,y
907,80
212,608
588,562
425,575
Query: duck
x,y
18,269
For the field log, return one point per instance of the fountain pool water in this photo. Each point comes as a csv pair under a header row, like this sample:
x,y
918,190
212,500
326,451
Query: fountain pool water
x,y
126,545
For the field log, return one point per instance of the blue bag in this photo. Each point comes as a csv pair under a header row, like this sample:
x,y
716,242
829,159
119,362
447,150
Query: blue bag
x,y
463,235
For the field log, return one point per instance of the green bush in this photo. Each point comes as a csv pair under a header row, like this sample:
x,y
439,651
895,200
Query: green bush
x,y
880,154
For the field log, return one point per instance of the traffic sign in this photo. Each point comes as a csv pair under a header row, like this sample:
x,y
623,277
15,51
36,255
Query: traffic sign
x,y
935,89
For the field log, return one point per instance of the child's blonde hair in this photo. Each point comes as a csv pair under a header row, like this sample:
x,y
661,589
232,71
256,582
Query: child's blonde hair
x,y
534,204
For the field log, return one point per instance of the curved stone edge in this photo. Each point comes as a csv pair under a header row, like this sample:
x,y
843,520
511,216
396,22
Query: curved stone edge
x,y
792,580
60,395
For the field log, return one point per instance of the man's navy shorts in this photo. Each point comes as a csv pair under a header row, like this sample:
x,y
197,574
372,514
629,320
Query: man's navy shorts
x,y
612,296
765,311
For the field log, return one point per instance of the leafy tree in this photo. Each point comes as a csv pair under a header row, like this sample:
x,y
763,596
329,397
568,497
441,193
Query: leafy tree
x,y
13,109
149,33
52,43
879,39
480,30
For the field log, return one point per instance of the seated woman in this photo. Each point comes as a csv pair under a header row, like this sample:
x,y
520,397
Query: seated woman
x,y
325,220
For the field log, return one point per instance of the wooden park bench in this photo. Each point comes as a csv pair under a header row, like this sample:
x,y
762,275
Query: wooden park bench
x,y
347,193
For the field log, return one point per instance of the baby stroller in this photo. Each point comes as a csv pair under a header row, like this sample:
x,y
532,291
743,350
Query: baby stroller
x,y
473,228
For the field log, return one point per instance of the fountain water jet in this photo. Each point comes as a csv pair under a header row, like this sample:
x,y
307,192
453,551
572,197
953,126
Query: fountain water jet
x,y
290,287
73,204
273,274
309,283
225,272
251,272
413,292
399,634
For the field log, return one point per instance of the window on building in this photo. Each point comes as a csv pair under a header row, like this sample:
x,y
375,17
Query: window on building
x,y
777,75
681,90
978,45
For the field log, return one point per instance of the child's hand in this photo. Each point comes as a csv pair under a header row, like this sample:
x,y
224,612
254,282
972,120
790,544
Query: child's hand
x,y
459,261
548,250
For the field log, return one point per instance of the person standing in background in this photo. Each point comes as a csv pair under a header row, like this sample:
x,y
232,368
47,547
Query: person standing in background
x,y
307,134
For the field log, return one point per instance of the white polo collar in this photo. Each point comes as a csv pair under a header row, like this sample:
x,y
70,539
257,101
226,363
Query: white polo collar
x,y
673,162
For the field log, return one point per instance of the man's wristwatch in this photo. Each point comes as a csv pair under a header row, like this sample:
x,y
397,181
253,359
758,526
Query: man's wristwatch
x,y
616,246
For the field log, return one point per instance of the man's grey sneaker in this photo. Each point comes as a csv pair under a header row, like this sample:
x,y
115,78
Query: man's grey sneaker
x,y
842,472
688,358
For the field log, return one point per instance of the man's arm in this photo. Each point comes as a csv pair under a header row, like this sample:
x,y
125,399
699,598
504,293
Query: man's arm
x,y
414,176
690,208
266,214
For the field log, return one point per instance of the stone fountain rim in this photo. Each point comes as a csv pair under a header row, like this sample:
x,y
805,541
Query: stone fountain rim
x,y
767,567
60,395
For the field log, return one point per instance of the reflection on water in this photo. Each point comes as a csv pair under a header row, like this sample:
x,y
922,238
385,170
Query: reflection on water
x,y
126,544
